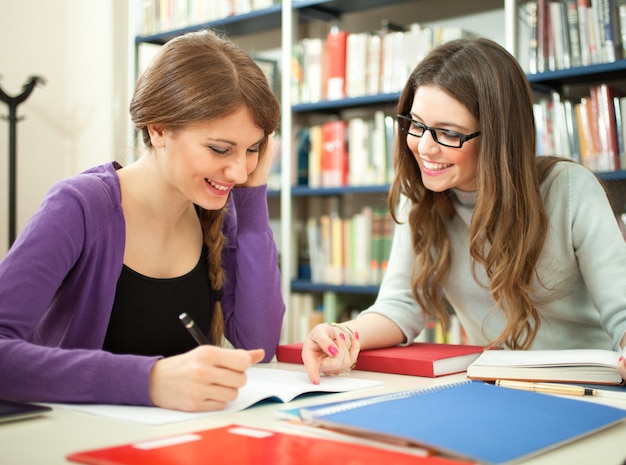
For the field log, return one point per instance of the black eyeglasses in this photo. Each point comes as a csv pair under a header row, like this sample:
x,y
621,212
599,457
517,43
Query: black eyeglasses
x,y
445,137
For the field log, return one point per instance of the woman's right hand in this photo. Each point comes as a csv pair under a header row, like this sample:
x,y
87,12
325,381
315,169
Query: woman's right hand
x,y
203,379
329,350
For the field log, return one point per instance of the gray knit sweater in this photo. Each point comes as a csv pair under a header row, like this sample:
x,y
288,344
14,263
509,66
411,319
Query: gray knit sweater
x,y
582,302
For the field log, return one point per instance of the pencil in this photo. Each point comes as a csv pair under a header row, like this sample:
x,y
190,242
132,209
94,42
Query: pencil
x,y
548,388
195,332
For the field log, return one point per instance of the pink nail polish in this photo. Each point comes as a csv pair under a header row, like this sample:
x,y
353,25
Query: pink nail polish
x,y
621,358
333,350
356,334
342,336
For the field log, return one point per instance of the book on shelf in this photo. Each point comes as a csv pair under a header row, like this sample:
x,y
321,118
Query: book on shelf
x,y
334,158
373,64
583,32
336,44
159,16
361,63
264,384
313,56
595,366
573,32
602,100
350,152
621,13
315,156
560,34
358,148
419,359
356,64
469,420
236,444
351,250
589,131
569,33
610,46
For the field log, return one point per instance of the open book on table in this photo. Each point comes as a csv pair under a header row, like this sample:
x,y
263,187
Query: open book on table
x,y
263,384
593,366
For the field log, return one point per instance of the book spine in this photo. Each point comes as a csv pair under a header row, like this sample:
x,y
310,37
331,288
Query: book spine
x,y
356,62
334,163
531,20
621,15
583,32
560,54
336,43
573,33
606,19
315,156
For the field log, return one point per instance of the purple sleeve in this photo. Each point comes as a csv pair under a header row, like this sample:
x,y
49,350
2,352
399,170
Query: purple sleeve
x,y
57,284
253,302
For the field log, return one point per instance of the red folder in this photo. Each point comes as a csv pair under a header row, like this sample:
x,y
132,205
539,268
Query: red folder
x,y
242,445
419,359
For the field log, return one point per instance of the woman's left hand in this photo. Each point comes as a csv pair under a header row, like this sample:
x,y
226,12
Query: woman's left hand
x,y
621,367
261,173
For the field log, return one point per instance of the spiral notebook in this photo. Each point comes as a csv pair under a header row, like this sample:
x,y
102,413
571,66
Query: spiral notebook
x,y
469,420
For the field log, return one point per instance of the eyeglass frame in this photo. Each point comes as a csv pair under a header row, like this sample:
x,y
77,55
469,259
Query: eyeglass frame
x,y
462,137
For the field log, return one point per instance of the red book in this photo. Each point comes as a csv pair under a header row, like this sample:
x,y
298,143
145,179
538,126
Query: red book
x,y
336,43
419,359
602,99
334,153
242,445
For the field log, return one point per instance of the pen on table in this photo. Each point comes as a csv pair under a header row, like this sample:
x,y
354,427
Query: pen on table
x,y
547,388
197,334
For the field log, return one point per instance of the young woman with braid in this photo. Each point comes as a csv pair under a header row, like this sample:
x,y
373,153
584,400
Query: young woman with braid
x,y
92,289
525,250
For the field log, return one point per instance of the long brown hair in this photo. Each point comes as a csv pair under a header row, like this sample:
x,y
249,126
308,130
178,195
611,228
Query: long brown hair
x,y
509,223
195,77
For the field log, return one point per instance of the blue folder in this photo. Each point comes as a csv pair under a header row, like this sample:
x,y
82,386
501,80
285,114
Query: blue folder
x,y
470,420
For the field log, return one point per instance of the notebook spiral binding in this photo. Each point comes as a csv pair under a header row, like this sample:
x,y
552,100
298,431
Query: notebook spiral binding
x,y
311,413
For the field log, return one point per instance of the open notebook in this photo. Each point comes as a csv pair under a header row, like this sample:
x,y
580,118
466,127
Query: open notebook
x,y
264,384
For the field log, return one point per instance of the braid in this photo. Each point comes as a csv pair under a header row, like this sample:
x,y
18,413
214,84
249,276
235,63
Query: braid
x,y
214,238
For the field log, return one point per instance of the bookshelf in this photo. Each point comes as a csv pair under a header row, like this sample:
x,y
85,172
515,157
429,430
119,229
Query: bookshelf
x,y
574,82
282,24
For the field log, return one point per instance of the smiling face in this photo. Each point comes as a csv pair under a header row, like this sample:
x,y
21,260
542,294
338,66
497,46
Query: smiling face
x,y
443,167
204,161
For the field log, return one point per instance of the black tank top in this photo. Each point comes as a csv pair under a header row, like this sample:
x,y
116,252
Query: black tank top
x,y
144,319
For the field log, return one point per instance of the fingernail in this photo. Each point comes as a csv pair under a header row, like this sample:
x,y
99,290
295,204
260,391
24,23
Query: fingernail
x,y
342,336
621,358
333,350
356,334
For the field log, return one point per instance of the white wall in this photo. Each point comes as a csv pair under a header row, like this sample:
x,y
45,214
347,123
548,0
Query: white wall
x,y
79,117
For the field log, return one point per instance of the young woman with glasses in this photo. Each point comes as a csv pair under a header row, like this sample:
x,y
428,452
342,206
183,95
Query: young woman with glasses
x,y
525,250
92,289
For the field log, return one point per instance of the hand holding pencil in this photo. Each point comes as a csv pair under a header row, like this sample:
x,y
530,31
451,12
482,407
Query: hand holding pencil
x,y
203,379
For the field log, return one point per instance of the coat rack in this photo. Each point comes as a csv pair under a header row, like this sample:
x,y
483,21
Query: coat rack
x,y
13,102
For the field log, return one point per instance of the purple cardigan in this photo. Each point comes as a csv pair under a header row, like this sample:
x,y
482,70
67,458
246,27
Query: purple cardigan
x,y
58,280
